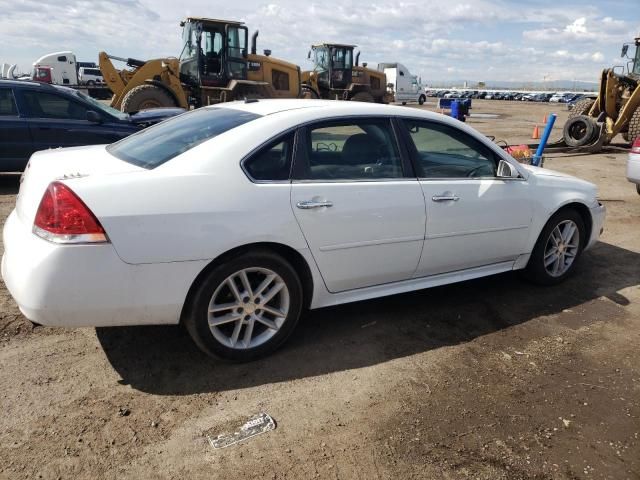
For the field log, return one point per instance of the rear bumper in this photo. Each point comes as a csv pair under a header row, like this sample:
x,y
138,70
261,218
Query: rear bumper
x,y
89,285
598,215
633,168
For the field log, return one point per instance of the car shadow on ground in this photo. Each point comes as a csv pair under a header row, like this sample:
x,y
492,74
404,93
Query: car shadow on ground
x,y
164,360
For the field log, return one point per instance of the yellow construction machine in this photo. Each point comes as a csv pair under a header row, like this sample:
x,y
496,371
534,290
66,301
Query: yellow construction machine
x,y
214,66
616,110
336,75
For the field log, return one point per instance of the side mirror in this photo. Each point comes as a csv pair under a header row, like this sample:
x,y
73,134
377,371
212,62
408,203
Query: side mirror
x,y
309,54
625,49
94,117
506,170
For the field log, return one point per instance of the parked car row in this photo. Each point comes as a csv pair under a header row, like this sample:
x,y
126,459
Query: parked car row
x,y
38,116
495,95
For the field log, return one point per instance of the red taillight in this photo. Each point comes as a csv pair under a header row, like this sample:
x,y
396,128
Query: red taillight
x,y
635,148
63,218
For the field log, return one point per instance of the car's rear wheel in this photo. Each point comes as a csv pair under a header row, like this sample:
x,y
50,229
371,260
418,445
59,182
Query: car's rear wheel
x,y
558,248
246,307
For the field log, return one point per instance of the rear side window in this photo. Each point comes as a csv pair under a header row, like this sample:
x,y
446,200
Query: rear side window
x,y
273,162
159,144
7,103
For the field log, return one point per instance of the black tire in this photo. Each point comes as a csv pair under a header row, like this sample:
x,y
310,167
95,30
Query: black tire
x,y
422,99
581,107
363,97
638,188
308,92
404,103
579,131
146,96
633,131
535,270
90,83
197,311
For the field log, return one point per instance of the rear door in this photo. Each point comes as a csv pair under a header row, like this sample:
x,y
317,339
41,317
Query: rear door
x,y
16,145
360,209
57,120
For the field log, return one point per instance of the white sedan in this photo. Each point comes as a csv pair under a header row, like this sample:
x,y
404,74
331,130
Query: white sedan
x,y
232,219
633,164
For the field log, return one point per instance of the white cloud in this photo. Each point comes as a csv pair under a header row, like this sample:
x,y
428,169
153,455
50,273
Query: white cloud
x,y
472,37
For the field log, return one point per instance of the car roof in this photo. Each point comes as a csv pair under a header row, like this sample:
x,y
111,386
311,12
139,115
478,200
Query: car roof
x,y
311,110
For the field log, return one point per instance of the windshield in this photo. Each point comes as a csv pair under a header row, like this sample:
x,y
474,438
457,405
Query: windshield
x,y
158,144
636,62
101,106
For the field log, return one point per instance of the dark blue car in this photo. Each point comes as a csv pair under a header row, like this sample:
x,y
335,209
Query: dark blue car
x,y
36,116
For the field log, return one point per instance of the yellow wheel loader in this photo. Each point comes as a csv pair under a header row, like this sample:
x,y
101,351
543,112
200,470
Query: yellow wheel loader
x,y
214,66
616,110
337,76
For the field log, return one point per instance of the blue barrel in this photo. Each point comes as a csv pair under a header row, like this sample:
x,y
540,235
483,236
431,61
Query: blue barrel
x,y
455,109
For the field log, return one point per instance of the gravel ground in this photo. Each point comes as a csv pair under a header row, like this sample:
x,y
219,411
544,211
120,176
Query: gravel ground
x,y
488,379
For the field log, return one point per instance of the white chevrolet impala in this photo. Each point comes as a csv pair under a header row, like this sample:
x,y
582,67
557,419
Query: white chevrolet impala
x,y
232,219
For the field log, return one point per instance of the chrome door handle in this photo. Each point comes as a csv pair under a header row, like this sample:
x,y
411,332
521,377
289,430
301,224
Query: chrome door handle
x,y
445,198
307,204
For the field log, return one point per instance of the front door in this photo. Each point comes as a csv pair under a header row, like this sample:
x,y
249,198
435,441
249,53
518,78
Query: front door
x,y
473,218
362,216
59,121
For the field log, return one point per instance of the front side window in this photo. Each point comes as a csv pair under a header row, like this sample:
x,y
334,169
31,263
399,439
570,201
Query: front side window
x,y
352,150
50,105
273,162
156,145
636,62
446,152
7,103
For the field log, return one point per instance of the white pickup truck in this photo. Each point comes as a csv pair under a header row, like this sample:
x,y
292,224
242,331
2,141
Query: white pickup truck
x,y
405,87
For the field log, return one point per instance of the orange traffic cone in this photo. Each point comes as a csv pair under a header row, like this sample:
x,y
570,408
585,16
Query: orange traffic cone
x,y
545,119
536,133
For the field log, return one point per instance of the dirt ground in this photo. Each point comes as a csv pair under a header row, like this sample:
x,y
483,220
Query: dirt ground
x,y
488,379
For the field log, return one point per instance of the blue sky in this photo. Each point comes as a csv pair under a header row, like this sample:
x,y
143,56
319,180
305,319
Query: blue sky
x,y
439,39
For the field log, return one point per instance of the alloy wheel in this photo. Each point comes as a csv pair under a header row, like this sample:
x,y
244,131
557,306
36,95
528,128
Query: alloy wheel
x,y
248,308
561,248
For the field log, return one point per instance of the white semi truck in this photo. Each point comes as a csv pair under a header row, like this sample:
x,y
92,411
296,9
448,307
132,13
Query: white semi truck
x,y
58,68
404,86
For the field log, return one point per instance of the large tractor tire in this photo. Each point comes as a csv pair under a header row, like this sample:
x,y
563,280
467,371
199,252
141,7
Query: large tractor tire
x,y
579,131
363,97
581,107
634,127
143,97
308,92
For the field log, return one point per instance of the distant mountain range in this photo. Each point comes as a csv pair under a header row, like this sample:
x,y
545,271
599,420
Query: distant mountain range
x,y
517,85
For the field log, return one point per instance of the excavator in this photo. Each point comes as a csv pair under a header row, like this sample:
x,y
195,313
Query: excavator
x,y
336,75
214,66
594,123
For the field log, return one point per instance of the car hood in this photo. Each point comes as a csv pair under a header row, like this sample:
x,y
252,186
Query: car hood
x,y
560,179
154,115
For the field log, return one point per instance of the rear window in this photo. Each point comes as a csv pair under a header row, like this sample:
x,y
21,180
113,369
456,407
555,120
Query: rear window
x,y
158,144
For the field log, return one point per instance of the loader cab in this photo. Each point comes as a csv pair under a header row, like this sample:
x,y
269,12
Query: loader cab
x,y
214,52
333,65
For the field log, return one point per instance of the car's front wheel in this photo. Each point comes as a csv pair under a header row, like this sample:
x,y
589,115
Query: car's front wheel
x,y
558,248
246,307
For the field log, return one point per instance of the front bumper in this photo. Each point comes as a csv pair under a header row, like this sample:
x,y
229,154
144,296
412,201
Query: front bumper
x,y
89,285
598,215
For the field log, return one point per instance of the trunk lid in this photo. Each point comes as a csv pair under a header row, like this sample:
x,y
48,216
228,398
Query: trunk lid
x,y
48,165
